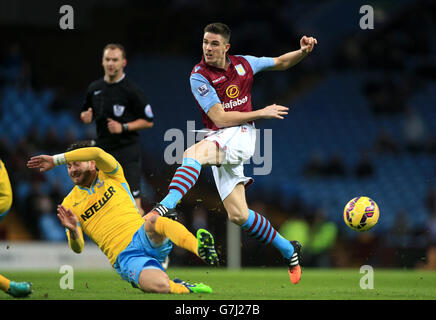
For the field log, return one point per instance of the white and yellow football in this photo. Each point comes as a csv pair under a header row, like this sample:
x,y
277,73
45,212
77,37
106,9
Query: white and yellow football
x,y
361,214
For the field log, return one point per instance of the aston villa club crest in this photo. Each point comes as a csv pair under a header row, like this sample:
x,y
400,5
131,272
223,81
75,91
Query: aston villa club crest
x,y
118,110
240,69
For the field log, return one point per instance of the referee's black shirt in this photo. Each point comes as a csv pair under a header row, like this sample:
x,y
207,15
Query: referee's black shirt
x,y
123,101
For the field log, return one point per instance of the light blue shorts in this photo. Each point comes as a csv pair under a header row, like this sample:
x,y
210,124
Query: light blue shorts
x,y
141,254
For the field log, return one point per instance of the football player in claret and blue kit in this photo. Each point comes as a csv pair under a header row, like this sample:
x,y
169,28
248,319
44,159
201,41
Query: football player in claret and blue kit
x,y
221,84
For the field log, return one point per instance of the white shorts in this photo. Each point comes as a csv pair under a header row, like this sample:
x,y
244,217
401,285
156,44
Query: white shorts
x,y
238,143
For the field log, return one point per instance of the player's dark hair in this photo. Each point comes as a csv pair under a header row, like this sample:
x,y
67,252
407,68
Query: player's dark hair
x,y
81,144
219,28
114,46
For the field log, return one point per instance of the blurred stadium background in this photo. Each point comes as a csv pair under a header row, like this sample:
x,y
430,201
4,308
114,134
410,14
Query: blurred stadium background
x,y
362,120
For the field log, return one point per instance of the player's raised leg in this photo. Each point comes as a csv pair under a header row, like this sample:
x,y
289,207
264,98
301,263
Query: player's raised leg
x,y
258,227
158,228
202,153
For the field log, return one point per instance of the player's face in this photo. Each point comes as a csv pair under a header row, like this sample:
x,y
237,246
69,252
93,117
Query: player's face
x,y
215,48
113,62
81,172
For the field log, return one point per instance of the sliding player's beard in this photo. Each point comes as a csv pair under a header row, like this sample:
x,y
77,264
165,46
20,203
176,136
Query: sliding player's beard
x,y
82,177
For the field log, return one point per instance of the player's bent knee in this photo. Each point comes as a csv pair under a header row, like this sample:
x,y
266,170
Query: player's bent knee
x,y
159,287
191,152
237,218
154,281
205,152
236,213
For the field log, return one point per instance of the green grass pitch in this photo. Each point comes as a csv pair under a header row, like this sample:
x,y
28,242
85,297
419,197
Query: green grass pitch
x,y
245,284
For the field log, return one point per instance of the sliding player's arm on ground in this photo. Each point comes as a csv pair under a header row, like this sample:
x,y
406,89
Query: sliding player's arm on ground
x,y
72,227
103,160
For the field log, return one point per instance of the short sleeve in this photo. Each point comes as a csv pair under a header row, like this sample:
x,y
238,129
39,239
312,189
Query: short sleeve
x,y
142,109
203,92
259,64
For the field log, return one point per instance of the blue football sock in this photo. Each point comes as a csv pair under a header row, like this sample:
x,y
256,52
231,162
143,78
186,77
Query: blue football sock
x,y
184,179
258,227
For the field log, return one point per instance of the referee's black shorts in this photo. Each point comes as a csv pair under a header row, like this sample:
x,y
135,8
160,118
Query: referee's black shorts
x,y
130,159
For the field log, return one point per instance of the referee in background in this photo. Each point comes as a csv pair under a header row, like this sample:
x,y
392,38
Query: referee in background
x,y
119,109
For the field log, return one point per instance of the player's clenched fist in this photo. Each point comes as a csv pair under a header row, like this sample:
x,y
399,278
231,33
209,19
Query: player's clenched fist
x,y
307,43
86,116
114,127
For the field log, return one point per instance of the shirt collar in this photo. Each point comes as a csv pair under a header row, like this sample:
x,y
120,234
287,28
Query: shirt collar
x,y
119,80
90,190
209,66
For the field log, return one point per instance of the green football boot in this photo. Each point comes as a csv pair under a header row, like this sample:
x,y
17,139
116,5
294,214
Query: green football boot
x,y
206,247
196,287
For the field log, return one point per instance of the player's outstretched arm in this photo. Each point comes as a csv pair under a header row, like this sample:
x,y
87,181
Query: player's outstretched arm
x,y
74,232
290,59
224,119
103,160
42,162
